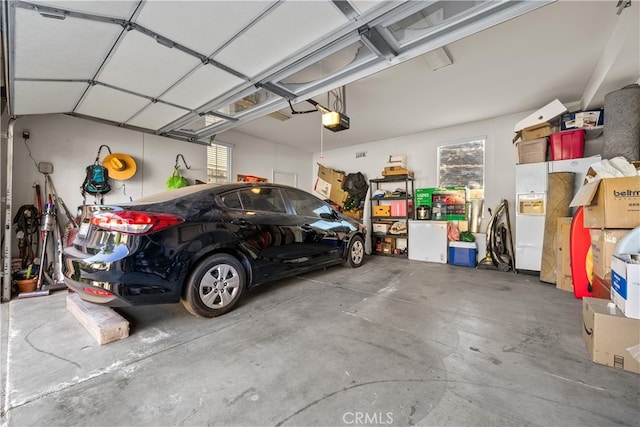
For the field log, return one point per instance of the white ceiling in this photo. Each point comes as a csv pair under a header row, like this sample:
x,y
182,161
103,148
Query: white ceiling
x,y
161,66
520,65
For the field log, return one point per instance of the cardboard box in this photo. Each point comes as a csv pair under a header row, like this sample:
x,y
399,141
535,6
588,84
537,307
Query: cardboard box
x,y
382,211
611,338
388,245
536,131
355,214
329,185
453,197
532,151
396,170
603,245
625,284
423,196
564,280
610,202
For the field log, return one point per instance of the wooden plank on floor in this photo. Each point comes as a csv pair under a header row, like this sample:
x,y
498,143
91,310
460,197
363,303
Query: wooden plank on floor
x,y
103,323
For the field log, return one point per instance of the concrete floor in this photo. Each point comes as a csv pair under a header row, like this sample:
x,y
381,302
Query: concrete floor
x,y
395,342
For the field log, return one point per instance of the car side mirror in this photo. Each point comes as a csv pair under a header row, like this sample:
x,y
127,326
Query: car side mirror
x,y
332,215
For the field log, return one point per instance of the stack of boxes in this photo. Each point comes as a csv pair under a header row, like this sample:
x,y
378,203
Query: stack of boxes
x,y
329,185
611,210
535,133
532,147
612,322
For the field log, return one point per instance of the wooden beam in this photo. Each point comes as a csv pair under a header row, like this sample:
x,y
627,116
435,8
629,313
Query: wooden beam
x,y
102,323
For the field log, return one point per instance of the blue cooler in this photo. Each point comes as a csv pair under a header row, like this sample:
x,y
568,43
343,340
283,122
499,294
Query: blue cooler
x,y
463,253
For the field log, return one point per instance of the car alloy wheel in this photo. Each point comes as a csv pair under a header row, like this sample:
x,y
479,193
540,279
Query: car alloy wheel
x,y
355,256
219,286
214,286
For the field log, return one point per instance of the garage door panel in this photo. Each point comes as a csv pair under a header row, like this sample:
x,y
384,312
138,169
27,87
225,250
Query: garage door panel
x,y
204,84
47,97
143,66
157,115
276,36
111,104
60,49
203,26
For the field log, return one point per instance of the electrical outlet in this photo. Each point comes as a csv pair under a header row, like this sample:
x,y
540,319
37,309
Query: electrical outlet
x,y
361,154
44,167
25,134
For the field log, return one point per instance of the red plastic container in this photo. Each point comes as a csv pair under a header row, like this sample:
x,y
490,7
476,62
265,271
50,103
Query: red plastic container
x,y
568,144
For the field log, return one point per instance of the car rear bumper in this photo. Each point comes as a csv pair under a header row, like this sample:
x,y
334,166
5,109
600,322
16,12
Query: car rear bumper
x,y
95,294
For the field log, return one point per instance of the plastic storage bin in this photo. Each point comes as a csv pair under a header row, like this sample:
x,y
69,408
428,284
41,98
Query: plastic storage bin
x,y
532,151
568,144
463,253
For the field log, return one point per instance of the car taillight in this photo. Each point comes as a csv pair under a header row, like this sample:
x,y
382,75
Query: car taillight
x,y
132,222
98,292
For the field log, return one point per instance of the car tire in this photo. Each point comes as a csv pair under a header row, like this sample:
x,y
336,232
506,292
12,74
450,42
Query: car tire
x,y
355,253
214,286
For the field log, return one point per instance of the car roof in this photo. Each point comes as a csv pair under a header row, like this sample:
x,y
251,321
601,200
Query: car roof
x,y
177,193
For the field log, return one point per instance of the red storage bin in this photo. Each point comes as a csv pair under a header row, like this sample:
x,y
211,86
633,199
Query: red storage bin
x,y
567,144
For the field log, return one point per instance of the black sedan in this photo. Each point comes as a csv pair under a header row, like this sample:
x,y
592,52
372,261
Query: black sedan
x,y
205,244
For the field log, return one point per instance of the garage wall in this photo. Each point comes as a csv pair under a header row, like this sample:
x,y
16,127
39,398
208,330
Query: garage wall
x,y
500,156
259,157
71,144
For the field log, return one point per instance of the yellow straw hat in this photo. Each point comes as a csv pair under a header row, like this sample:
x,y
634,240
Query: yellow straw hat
x,y
120,166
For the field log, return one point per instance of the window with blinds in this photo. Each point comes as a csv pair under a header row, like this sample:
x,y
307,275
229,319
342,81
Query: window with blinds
x,y
218,163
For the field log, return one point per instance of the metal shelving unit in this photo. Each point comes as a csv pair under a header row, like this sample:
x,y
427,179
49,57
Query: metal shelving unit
x,y
388,220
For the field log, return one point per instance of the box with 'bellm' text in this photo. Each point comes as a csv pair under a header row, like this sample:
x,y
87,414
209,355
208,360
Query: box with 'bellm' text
x,y
610,202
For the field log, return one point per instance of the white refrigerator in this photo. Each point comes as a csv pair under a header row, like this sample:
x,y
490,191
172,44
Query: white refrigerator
x,y
428,241
531,202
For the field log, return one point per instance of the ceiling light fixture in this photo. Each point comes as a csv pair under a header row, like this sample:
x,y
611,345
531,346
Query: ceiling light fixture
x,y
438,59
